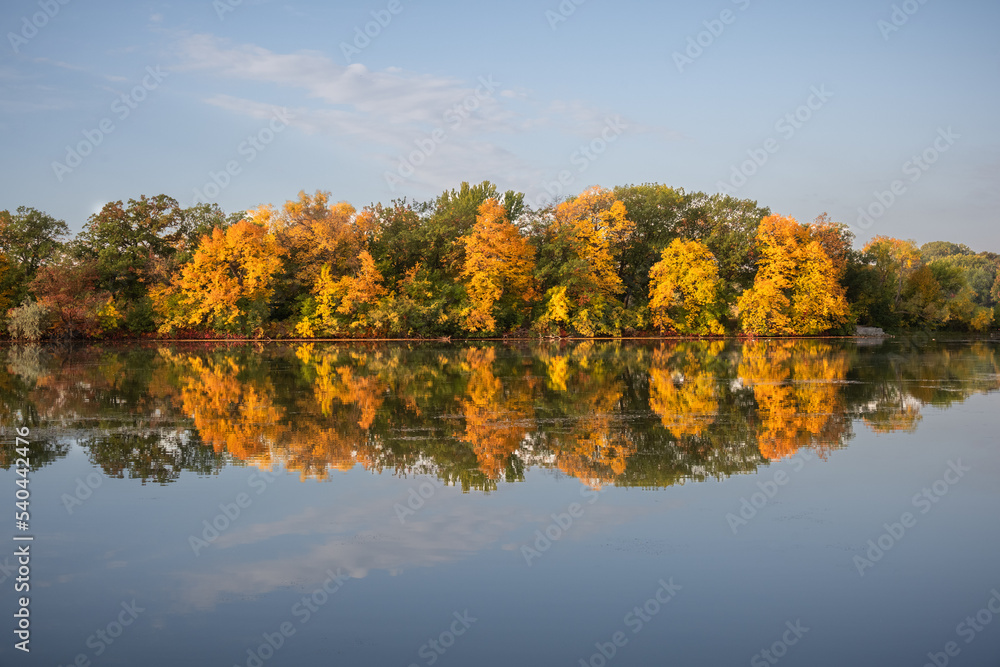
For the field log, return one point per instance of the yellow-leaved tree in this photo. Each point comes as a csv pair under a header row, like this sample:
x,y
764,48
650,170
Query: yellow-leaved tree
x,y
228,284
796,290
498,270
346,304
684,289
583,247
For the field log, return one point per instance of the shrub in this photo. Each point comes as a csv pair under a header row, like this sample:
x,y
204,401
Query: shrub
x,y
28,321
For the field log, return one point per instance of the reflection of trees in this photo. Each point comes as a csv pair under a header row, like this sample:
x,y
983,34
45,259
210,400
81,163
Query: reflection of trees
x,y
589,441
149,456
797,386
604,413
683,391
232,410
43,449
497,419
331,420
897,379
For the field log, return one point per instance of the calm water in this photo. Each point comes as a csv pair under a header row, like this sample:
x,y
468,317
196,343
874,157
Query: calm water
x,y
692,503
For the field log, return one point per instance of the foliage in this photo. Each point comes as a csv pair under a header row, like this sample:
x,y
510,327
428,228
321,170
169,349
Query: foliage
x,y
228,284
78,307
198,221
796,290
684,289
894,261
581,246
345,304
498,271
475,261
313,233
728,226
126,242
28,321
940,249
28,239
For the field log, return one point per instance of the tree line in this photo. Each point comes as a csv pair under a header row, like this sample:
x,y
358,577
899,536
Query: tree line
x,y
474,262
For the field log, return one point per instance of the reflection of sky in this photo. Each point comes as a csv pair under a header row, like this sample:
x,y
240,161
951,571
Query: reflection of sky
x,y
460,551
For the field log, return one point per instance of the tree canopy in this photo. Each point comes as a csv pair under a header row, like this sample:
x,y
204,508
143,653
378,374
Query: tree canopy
x,y
477,262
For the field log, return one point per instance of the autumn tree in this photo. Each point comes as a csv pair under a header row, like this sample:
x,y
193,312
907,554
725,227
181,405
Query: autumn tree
x,y
70,291
657,213
684,289
313,232
198,221
228,284
796,290
837,241
582,245
420,250
343,305
498,271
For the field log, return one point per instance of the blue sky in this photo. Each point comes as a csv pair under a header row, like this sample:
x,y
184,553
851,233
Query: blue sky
x,y
804,107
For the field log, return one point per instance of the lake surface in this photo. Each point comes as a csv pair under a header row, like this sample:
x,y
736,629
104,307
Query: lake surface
x,y
814,502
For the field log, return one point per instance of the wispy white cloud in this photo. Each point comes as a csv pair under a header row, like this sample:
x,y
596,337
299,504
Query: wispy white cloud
x,y
367,537
383,114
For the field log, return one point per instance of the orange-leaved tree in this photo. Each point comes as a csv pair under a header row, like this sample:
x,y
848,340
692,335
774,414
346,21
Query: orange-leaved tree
x,y
315,233
583,245
498,270
796,290
228,284
684,289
